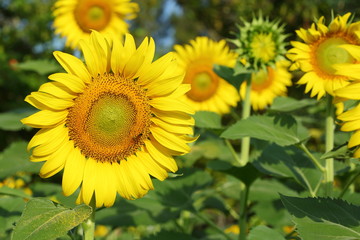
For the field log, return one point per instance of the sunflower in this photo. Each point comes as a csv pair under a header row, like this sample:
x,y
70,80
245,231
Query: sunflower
x,y
351,118
260,43
320,50
75,19
208,91
266,85
113,122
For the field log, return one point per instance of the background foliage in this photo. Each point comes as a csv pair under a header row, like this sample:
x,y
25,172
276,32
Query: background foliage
x,y
202,202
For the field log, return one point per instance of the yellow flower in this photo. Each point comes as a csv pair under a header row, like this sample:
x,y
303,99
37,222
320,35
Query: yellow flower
x,y
267,85
208,91
320,50
350,118
112,122
233,229
75,19
260,43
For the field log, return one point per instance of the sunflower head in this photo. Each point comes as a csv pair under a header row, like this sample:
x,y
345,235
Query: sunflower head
x,y
260,43
112,122
208,91
321,50
267,84
74,19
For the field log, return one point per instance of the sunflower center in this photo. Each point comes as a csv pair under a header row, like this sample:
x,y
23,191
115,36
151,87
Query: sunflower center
x,y
329,53
204,82
110,117
92,15
263,47
110,120
262,79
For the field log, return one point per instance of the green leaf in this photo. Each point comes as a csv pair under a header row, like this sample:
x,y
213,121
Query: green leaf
x,y
10,121
264,196
42,219
42,67
287,104
288,162
247,174
15,158
4,190
145,211
264,233
166,235
10,211
230,76
281,129
341,152
324,218
180,192
204,119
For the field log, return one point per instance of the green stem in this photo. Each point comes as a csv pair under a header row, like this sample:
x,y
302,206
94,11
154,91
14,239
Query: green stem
x,y
211,223
329,145
233,152
348,183
89,224
243,212
245,142
312,158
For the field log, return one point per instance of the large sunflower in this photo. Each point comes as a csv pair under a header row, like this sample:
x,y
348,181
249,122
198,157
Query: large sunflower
x,y
266,85
75,19
208,91
320,51
113,122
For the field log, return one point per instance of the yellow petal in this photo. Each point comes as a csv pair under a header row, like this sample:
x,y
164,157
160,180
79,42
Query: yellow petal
x,y
174,117
89,180
159,154
43,101
173,128
170,104
152,167
44,134
72,82
73,65
169,140
73,171
351,91
57,90
45,119
56,161
354,139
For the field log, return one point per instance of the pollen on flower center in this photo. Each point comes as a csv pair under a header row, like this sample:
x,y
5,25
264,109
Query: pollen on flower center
x,y
110,120
92,15
329,53
204,82
263,47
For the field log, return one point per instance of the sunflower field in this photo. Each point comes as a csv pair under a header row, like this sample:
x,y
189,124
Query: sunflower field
x,y
179,119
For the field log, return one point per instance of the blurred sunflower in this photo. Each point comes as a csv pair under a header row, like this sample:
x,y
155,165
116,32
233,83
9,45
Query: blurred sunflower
x,y
260,43
266,85
75,19
208,91
320,50
113,122
351,118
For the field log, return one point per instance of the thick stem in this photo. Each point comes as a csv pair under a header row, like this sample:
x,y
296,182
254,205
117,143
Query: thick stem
x,y
243,212
89,224
329,145
245,142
